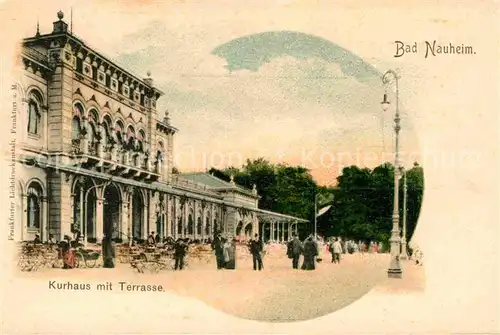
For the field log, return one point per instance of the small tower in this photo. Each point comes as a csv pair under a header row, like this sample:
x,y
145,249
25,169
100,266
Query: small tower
x,y
37,28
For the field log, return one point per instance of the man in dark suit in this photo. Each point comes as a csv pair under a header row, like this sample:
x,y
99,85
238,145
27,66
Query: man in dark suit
x,y
218,248
256,248
180,251
294,250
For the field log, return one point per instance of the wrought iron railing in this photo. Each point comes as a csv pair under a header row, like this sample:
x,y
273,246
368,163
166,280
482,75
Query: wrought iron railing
x,y
36,55
92,149
75,146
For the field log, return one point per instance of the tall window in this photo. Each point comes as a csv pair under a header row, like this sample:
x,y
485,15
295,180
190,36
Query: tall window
x,y
75,128
141,137
119,132
91,133
33,118
199,226
106,126
34,206
105,135
159,152
207,227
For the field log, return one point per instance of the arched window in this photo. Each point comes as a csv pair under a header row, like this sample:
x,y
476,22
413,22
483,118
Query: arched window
x,y
160,151
93,116
119,131
91,132
130,137
75,128
33,117
34,212
190,225
207,227
105,135
141,137
199,226
78,110
106,126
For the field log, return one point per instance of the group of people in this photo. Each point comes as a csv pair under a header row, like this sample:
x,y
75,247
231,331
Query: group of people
x,y
224,249
225,252
68,246
309,250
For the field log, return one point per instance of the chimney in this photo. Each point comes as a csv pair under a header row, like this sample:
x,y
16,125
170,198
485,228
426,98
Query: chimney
x,y
60,26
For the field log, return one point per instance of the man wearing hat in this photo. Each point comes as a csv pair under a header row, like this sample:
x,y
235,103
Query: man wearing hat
x,y
218,248
256,248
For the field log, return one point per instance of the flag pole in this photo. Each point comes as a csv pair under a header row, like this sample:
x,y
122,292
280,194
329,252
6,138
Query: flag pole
x,y
71,22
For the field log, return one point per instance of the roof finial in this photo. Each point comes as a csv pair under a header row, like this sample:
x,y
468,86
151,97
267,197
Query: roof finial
x,y
232,178
166,119
37,27
60,15
149,73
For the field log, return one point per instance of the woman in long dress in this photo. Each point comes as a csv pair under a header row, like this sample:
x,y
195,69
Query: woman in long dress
x,y
310,253
229,251
67,253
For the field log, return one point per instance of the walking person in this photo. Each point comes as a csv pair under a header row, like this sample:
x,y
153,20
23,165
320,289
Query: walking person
x,y
256,249
151,238
180,253
343,244
310,253
108,252
67,253
330,248
337,250
218,248
295,249
230,248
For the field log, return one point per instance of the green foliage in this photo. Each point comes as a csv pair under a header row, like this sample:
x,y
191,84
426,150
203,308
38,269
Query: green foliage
x,y
362,201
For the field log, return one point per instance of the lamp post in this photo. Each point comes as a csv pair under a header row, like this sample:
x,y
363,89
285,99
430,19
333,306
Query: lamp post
x,y
316,216
85,237
404,252
394,270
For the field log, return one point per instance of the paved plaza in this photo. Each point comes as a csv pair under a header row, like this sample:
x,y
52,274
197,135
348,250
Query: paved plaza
x,y
278,293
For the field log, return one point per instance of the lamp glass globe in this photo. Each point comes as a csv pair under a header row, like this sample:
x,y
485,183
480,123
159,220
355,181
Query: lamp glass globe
x,y
385,105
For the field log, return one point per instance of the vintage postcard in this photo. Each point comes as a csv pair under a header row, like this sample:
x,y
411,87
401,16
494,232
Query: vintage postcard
x,y
249,167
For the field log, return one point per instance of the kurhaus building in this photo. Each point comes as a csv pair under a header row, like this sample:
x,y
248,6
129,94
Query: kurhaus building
x,y
94,154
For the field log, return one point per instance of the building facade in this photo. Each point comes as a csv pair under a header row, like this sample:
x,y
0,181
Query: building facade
x,y
94,154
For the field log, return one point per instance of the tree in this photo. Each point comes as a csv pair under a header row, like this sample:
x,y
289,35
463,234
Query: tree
x,y
362,203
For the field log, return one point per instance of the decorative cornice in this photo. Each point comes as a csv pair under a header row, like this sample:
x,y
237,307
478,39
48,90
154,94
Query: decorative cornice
x,y
98,60
165,128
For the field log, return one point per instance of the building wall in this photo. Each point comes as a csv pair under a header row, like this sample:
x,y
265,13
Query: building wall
x,y
58,201
32,87
29,176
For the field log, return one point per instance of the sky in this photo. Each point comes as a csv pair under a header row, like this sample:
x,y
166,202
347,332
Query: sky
x,y
241,87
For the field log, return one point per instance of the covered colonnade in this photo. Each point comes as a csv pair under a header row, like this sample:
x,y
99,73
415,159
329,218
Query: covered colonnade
x,y
276,227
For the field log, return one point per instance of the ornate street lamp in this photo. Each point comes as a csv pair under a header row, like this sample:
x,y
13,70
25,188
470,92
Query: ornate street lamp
x,y
404,252
394,270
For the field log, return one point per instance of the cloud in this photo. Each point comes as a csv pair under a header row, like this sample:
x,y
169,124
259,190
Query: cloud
x,y
286,105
